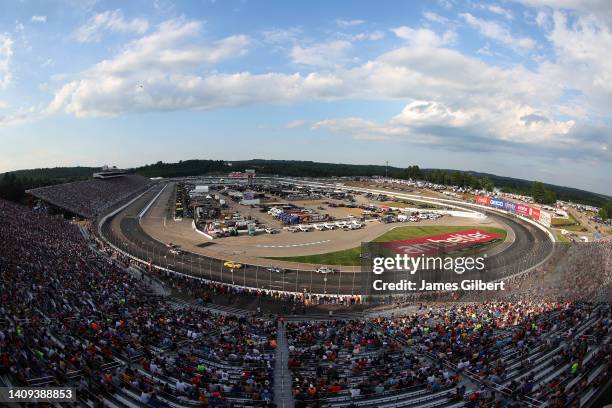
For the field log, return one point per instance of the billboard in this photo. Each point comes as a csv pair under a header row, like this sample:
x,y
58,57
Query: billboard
x,y
545,218
534,213
522,209
510,206
441,243
483,200
496,202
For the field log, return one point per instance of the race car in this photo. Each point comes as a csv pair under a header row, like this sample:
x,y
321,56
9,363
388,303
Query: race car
x,y
232,265
325,270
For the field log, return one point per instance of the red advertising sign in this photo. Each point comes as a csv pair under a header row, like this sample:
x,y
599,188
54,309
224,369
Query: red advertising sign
x,y
535,213
441,243
483,200
522,209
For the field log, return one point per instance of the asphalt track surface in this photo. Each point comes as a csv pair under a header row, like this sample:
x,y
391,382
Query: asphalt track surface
x,y
531,246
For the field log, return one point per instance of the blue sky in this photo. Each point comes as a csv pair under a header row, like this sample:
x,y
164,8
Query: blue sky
x,y
516,88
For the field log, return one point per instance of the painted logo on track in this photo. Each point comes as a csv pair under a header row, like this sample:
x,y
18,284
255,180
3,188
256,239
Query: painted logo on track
x,y
441,243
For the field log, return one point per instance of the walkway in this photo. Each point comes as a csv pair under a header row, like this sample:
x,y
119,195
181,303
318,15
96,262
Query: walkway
x,y
283,397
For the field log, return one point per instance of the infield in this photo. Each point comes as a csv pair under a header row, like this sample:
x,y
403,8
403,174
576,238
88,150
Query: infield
x,y
350,257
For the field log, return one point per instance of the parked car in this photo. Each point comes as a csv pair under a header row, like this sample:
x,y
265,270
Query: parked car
x,y
271,231
293,229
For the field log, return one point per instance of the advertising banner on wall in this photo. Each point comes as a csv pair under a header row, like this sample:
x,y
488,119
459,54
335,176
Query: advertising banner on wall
x,y
510,206
545,218
534,213
483,200
496,202
522,209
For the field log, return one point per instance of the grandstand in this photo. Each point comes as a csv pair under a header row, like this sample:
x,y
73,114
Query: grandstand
x,y
89,198
75,312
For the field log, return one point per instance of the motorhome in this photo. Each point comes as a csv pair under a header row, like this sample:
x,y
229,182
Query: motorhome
x,y
304,228
319,227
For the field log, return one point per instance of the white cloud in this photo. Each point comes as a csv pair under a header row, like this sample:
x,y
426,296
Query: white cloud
x,y
348,23
509,127
583,59
368,36
423,113
39,19
496,9
151,73
542,19
457,101
497,32
109,21
6,54
599,8
327,54
19,116
424,37
434,17
282,35
296,124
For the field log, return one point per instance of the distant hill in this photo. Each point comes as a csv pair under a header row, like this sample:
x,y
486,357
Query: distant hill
x,y
563,193
57,173
312,169
297,168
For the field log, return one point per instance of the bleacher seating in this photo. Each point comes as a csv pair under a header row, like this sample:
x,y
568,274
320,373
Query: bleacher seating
x,y
73,314
90,198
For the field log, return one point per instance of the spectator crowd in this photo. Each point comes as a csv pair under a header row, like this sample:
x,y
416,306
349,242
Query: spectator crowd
x,y
74,314
90,198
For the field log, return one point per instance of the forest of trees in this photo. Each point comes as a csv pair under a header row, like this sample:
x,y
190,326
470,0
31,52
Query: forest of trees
x,y
605,212
545,193
446,177
181,169
541,195
13,188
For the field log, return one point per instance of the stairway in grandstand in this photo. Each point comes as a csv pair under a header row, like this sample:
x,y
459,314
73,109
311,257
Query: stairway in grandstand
x,y
283,397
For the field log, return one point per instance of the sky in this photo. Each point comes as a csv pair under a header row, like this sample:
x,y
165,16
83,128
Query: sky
x,y
515,88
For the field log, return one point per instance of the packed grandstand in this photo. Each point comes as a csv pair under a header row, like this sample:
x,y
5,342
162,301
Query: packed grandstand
x,y
89,198
78,312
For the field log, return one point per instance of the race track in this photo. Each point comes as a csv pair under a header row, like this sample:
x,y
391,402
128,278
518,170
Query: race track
x,y
531,246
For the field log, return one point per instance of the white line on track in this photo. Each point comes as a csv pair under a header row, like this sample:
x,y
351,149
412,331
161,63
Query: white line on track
x,y
294,245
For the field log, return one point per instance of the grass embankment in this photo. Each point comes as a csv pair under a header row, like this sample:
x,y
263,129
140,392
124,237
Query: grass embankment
x,y
570,223
350,257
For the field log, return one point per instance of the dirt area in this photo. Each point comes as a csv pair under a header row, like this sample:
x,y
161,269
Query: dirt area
x,y
249,249
352,211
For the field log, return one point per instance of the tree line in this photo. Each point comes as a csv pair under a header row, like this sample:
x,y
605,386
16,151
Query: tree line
x,y
605,212
447,178
543,193
13,188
